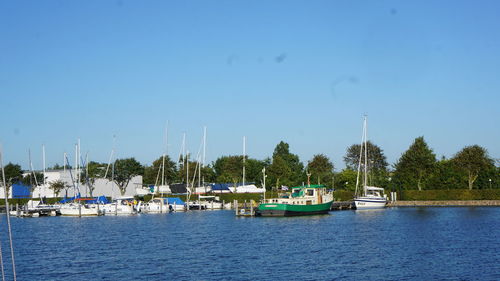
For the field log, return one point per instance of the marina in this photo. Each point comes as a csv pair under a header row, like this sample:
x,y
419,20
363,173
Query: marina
x,y
220,246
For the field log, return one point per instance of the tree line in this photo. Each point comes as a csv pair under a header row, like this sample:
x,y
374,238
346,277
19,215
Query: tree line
x,y
416,169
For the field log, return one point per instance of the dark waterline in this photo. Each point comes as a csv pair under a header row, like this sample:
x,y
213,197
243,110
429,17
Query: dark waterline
x,y
390,244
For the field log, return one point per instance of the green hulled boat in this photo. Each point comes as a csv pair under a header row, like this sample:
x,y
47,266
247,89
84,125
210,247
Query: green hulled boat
x,y
303,200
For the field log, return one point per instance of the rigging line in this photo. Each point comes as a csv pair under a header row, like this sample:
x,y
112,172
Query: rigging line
x,y
8,220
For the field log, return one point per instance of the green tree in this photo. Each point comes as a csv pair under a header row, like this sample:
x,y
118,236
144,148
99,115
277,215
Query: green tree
x,y
153,173
125,170
32,179
95,170
446,175
254,170
415,165
376,157
286,168
229,169
472,160
320,168
346,179
280,172
57,186
13,174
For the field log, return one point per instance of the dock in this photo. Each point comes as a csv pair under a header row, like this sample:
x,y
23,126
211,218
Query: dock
x,y
342,205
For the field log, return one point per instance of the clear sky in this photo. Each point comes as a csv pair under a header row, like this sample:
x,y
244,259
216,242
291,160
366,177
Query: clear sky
x,y
304,72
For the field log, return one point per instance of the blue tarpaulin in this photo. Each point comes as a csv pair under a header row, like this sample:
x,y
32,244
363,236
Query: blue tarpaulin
x,y
65,200
101,200
220,186
20,190
174,200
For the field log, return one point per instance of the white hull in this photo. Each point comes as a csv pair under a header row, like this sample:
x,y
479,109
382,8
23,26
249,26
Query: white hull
x,y
112,209
370,203
76,210
155,208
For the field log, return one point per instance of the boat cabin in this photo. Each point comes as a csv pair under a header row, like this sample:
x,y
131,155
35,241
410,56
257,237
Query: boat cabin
x,y
304,195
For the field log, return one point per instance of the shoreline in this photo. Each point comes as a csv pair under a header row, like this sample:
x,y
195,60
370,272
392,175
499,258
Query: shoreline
x,y
444,203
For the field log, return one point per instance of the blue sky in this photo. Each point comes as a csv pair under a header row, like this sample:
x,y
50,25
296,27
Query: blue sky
x,y
304,72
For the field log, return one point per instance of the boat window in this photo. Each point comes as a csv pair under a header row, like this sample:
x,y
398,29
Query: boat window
x,y
310,192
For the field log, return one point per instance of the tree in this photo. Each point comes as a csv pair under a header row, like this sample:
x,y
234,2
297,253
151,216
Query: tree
x,y
153,173
254,170
376,157
415,165
57,186
32,180
229,168
286,168
95,170
280,172
346,180
446,175
13,174
321,168
472,160
124,171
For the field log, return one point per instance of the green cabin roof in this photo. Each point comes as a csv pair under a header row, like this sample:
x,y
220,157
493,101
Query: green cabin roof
x,y
310,186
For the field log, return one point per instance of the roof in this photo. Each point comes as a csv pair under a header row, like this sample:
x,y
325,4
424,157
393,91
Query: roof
x,y
374,188
310,186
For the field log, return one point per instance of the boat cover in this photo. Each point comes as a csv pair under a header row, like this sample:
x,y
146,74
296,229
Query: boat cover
x,y
178,188
220,186
174,200
20,190
99,200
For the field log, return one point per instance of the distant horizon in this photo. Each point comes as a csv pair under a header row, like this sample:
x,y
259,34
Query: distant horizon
x,y
300,72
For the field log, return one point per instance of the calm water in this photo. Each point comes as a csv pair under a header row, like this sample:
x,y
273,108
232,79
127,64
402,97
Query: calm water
x,y
390,244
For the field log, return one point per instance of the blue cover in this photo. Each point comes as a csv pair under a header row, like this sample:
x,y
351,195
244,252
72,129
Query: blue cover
x,y
65,200
174,200
101,200
220,186
20,190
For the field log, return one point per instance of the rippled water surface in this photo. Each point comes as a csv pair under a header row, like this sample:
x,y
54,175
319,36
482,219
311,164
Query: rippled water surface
x,y
390,244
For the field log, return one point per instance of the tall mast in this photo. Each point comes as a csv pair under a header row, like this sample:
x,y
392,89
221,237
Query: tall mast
x,y
244,153
76,168
366,154
43,158
163,160
166,150
204,151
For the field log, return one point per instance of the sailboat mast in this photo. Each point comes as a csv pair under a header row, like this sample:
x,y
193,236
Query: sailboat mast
x,y
166,151
366,155
43,158
244,153
204,150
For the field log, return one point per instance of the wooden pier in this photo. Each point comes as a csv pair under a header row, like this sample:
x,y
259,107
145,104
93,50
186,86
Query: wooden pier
x,y
342,205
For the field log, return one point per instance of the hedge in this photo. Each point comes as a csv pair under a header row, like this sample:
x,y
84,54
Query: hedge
x,y
452,194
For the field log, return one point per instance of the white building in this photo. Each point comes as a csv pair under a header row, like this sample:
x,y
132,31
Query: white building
x,y
101,186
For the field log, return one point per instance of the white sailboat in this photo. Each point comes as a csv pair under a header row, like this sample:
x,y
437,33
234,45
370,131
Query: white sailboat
x,y
76,208
369,197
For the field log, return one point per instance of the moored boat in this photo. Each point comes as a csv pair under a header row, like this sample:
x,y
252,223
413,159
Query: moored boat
x,y
370,197
304,200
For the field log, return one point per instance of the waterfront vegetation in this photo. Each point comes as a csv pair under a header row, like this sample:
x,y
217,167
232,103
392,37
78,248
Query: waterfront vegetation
x,y
470,174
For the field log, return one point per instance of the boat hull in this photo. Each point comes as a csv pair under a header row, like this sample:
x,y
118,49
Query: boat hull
x,y
369,203
288,210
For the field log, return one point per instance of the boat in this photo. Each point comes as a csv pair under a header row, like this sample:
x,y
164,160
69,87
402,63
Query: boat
x,y
163,205
79,210
120,206
303,200
369,197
